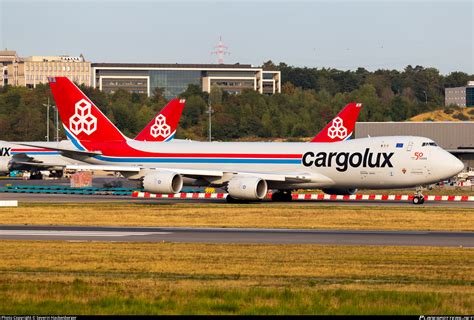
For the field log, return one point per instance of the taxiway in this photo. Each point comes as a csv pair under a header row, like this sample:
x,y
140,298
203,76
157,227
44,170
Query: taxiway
x,y
238,235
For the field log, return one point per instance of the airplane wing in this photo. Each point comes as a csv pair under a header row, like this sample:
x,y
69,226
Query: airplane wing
x,y
70,153
43,165
193,173
184,172
23,160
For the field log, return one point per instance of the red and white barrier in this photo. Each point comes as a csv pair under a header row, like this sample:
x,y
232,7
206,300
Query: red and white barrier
x,y
306,196
182,195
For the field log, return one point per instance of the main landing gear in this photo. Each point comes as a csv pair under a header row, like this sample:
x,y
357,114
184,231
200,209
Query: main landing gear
x,y
230,199
36,175
418,198
282,196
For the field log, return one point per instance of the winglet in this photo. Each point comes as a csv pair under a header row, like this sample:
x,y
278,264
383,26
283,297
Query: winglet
x,y
342,126
164,124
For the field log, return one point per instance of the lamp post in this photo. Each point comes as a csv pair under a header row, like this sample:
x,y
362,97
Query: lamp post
x,y
47,120
57,123
210,111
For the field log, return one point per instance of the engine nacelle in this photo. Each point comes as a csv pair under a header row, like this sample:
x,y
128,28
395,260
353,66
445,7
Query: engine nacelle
x,y
163,182
247,188
5,164
342,192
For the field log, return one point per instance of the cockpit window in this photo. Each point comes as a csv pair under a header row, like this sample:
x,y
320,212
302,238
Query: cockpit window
x,y
433,144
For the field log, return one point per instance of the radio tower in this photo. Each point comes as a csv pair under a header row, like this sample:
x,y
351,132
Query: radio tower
x,y
221,51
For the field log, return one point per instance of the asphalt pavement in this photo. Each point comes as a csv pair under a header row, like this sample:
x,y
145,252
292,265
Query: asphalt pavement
x,y
239,235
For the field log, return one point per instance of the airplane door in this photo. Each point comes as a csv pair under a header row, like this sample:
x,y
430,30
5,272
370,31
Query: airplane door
x,y
427,167
410,146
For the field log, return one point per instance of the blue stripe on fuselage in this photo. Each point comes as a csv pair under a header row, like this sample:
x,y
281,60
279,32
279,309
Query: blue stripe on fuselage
x,y
200,160
35,152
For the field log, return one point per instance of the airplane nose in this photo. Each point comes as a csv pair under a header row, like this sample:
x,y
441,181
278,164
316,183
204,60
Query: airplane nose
x,y
458,166
447,165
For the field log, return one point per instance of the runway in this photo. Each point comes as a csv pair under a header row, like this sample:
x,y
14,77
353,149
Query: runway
x,y
73,198
239,235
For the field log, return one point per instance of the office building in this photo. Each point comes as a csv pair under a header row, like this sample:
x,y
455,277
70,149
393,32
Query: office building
x,y
460,96
7,57
30,71
175,78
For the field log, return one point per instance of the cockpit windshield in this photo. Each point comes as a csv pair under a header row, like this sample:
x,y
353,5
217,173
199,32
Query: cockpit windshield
x,y
433,144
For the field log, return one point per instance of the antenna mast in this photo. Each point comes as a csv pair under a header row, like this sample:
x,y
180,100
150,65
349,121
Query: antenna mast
x,y
221,51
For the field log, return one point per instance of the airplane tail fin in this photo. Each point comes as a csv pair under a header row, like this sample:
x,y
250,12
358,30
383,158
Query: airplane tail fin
x,y
342,126
84,123
164,124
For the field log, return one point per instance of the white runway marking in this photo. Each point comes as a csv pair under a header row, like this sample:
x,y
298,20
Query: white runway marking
x,y
76,233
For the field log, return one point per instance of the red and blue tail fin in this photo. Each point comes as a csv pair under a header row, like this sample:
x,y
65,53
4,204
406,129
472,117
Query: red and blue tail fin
x,y
83,122
164,124
342,126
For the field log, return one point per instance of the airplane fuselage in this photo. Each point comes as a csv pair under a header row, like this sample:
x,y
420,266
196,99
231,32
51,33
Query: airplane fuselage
x,y
15,156
379,162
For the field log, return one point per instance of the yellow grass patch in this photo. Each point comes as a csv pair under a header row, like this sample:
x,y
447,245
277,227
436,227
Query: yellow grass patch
x,y
38,273
260,215
440,115
272,264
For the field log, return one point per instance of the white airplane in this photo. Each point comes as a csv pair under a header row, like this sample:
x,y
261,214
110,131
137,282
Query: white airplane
x,y
249,169
161,128
15,156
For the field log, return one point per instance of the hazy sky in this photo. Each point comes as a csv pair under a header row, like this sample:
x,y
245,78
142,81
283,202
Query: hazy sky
x,y
339,34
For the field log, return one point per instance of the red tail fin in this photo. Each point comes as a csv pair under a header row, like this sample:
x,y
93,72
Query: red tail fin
x,y
342,126
163,126
83,121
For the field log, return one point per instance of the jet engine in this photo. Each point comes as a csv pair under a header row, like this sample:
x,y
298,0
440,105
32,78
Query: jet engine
x,y
163,182
342,192
5,164
247,188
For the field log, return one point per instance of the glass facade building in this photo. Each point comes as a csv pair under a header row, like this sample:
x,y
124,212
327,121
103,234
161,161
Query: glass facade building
x,y
174,82
470,97
460,96
175,78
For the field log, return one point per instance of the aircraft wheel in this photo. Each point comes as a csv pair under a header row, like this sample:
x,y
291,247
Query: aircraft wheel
x,y
287,196
276,197
230,199
418,200
36,176
282,196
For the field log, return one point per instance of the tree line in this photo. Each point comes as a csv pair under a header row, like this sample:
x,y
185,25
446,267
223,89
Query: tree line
x,y
310,98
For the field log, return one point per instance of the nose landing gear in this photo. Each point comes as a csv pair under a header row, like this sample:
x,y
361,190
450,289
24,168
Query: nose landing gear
x,y
418,198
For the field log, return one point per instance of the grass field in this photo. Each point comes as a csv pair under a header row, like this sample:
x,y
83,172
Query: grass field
x,y
58,277
164,278
251,215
